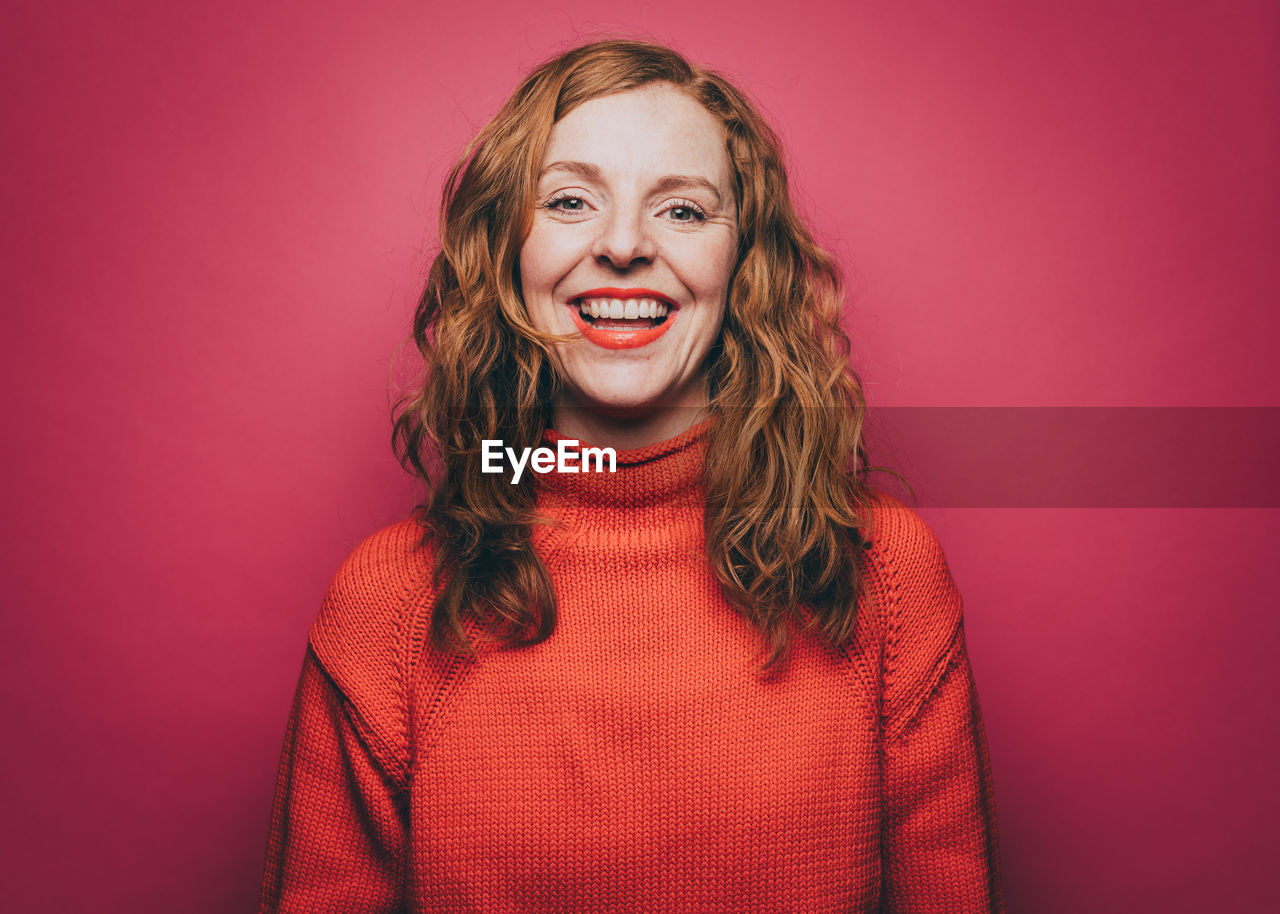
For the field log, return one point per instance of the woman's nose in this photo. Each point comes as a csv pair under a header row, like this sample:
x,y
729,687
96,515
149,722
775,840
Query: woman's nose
x,y
625,239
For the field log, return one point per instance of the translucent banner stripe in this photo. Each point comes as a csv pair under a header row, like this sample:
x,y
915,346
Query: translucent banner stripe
x,y
1080,457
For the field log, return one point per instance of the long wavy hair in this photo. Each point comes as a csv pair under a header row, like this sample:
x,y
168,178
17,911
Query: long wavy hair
x,y
785,466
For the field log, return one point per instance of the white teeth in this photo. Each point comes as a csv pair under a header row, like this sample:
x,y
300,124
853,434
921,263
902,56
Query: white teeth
x,y
620,309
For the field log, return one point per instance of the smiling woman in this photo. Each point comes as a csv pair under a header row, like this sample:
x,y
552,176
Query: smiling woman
x,y
727,675
637,183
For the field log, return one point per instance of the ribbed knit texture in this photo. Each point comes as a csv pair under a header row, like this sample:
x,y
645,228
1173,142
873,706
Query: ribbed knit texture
x,y
636,761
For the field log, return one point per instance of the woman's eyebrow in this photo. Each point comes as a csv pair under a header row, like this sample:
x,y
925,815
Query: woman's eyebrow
x,y
584,169
681,182
590,172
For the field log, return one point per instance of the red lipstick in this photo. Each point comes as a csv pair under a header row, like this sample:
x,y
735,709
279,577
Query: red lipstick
x,y
612,337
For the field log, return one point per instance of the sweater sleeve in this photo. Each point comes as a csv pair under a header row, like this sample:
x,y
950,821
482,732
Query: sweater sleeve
x,y
339,836
339,830
939,846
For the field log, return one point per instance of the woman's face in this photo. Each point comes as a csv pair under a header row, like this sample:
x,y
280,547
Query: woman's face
x,y
633,244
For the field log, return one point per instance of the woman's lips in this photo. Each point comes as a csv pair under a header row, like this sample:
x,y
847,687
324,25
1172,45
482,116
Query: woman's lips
x,y
620,334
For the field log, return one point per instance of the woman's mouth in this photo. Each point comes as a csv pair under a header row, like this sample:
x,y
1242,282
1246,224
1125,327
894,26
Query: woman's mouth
x,y
622,321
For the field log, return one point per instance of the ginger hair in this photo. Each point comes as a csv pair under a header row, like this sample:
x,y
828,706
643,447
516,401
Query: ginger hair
x,y
785,468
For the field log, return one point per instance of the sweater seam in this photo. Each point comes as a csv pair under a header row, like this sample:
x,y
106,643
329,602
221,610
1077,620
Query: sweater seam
x,y
412,587
938,671
892,622
419,594
409,659
379,749
424,724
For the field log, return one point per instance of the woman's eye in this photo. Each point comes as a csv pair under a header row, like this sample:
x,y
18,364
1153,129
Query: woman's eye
x,y
680,212
684,212
567,204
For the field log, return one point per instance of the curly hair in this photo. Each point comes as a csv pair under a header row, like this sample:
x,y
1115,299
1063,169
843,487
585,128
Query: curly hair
x,y
785,468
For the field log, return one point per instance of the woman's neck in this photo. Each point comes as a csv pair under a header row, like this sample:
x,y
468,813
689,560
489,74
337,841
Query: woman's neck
x,y
625,430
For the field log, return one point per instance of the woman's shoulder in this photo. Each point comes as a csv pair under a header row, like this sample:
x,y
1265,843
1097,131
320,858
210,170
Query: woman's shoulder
x,y
374,587
896,534
384,564
365,633
895,530
908,582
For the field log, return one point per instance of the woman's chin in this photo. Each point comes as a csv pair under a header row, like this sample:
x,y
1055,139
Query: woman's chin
x,y
619,408
627,419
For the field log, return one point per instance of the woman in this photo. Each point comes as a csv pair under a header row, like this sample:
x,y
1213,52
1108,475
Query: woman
x,y
724,676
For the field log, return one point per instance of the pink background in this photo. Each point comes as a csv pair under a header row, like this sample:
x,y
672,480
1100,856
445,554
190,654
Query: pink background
x,y
216,220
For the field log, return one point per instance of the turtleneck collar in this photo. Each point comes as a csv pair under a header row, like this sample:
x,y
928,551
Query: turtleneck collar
x,y
663,473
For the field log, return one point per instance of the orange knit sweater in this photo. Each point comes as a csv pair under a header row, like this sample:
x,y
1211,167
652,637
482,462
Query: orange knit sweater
x,y
635,761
